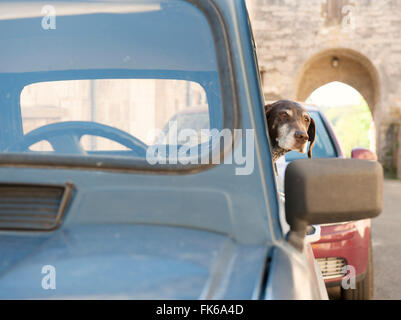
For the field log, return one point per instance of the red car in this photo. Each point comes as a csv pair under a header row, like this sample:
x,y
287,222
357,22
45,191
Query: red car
x,y
340,245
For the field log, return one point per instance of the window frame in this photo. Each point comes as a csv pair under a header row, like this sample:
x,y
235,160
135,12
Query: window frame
x,y
229,101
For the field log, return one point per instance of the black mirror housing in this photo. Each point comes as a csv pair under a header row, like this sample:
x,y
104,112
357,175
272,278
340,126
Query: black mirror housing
x,y
321,191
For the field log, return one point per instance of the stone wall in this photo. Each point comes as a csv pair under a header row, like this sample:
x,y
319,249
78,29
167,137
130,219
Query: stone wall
x,y
298,40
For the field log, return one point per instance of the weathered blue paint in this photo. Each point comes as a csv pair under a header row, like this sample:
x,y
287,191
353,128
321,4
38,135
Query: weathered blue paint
x,y
132,234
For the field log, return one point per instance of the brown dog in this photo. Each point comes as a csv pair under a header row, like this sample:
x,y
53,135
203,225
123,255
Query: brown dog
x,y
290,128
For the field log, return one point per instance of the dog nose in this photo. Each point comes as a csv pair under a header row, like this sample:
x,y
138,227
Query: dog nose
x,y
301,135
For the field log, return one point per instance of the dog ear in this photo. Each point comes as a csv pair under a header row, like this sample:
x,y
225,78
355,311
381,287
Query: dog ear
x,y
268,113
270,122
312,135
268,108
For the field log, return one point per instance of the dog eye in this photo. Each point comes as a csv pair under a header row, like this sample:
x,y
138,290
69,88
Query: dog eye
x,y
284,115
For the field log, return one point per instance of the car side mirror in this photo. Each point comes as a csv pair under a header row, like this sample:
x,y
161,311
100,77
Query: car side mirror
x,y
363,154
321,191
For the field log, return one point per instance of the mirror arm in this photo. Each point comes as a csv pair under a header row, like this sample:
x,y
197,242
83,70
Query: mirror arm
x,y
297,233
296,239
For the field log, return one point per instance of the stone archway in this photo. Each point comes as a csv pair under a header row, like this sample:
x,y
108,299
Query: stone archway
x,y
344,65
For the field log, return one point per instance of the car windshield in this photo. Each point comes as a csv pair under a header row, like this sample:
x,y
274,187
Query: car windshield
x,y
323,147
104,80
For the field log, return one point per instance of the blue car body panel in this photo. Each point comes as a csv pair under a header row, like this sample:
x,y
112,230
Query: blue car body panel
x,y
151,235
130,262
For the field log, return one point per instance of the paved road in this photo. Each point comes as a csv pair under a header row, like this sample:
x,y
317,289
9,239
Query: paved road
x,y
386,231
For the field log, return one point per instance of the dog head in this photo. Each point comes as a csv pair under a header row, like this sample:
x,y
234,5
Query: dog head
x,y
290,126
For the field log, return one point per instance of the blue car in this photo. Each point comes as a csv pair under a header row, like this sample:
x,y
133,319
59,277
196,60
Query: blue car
x,y
96,204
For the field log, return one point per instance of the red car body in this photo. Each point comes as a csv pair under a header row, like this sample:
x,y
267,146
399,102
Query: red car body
x,y
349,241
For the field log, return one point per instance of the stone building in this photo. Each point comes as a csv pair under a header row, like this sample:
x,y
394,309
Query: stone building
x,y
303,45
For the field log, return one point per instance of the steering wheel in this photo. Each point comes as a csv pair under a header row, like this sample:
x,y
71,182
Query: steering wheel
x,y
65,137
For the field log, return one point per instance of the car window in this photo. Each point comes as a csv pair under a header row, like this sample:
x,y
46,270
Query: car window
x,y
323,147
107,81
195,119
140,107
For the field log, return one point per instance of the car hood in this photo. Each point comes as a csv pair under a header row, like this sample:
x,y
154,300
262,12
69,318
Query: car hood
x,y
128,262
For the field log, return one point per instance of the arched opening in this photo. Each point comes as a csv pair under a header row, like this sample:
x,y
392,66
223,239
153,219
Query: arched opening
x,y
348,112
343,65
337,68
